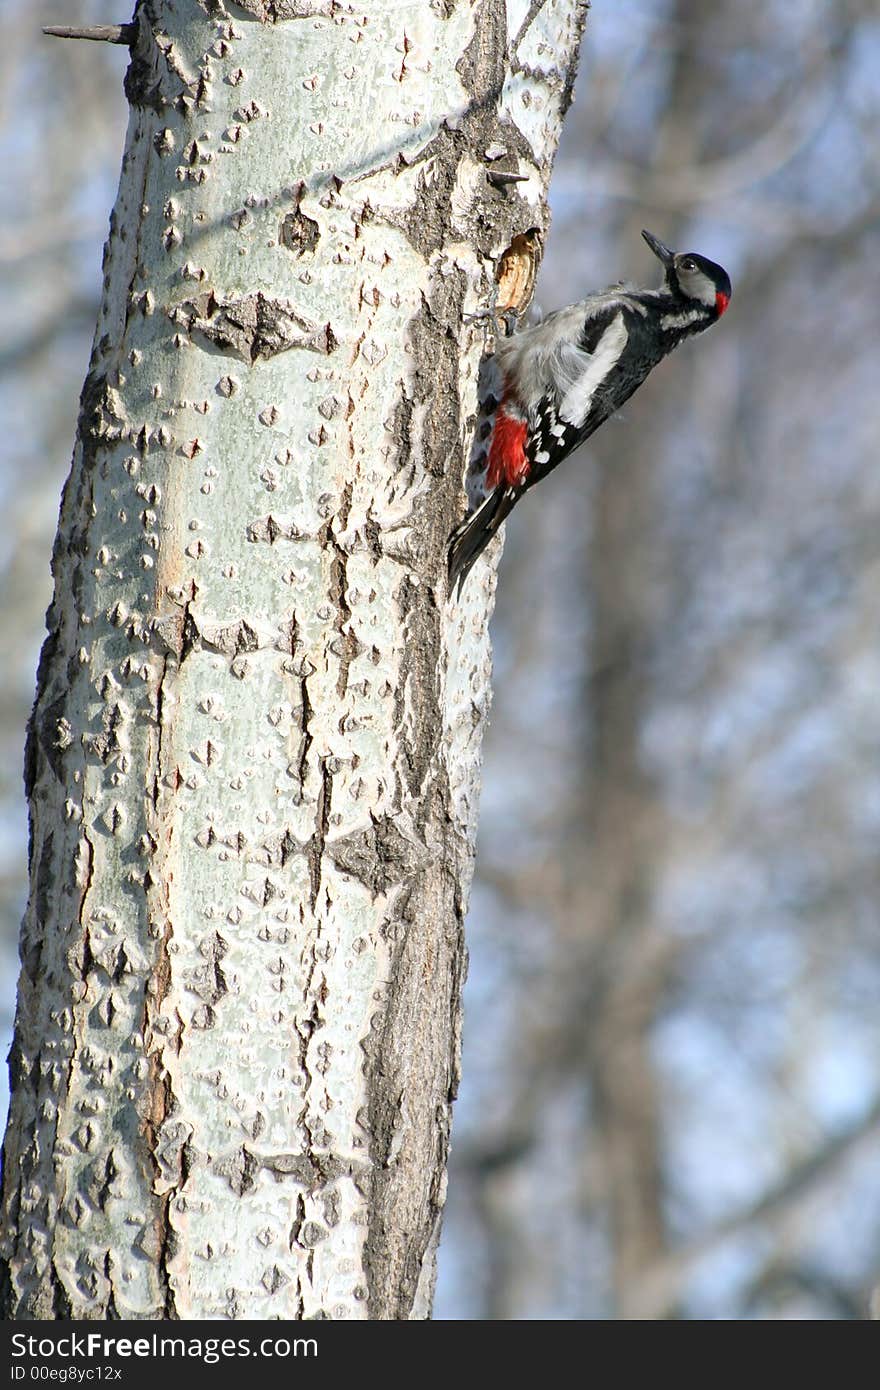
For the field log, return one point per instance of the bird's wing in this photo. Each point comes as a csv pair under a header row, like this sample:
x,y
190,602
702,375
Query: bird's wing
x,y
549,359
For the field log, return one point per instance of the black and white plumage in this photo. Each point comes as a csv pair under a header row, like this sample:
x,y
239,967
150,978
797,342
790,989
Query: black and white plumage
x,y
553,385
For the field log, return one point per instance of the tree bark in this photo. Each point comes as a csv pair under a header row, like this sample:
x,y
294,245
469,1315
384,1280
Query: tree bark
x,y
253,762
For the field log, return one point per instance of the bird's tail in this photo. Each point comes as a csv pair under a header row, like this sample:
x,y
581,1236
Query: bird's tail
x,y
469,540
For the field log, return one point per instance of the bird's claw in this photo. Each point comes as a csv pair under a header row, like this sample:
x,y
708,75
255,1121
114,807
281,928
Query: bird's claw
x,y
502,324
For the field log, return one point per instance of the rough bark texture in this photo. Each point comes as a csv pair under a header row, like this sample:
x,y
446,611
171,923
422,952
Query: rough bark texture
x,y
253,762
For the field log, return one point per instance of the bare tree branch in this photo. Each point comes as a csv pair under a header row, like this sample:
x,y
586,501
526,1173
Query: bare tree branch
x,y
662,1284
98,33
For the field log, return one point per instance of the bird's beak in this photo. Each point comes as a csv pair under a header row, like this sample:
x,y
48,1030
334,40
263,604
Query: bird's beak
x,y
662,252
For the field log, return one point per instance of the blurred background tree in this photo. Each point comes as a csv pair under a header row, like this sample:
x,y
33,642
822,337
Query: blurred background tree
x,y
671,1099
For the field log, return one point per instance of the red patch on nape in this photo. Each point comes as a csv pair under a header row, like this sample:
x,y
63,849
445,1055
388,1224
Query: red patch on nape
x,y
507,452
721,302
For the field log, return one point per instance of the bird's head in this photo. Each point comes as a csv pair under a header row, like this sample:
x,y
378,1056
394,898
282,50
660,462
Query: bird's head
x,y
692,277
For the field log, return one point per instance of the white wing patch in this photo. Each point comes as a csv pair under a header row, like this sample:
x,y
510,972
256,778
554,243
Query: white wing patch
x,y
545,358
583,372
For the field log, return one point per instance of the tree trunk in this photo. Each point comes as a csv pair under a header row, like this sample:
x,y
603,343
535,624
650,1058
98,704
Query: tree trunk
x,y
253,762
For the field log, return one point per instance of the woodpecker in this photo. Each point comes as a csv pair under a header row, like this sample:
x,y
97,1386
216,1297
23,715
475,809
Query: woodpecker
x,y
556,383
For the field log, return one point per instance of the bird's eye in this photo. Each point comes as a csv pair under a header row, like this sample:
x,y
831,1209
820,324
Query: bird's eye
x,y
688,264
